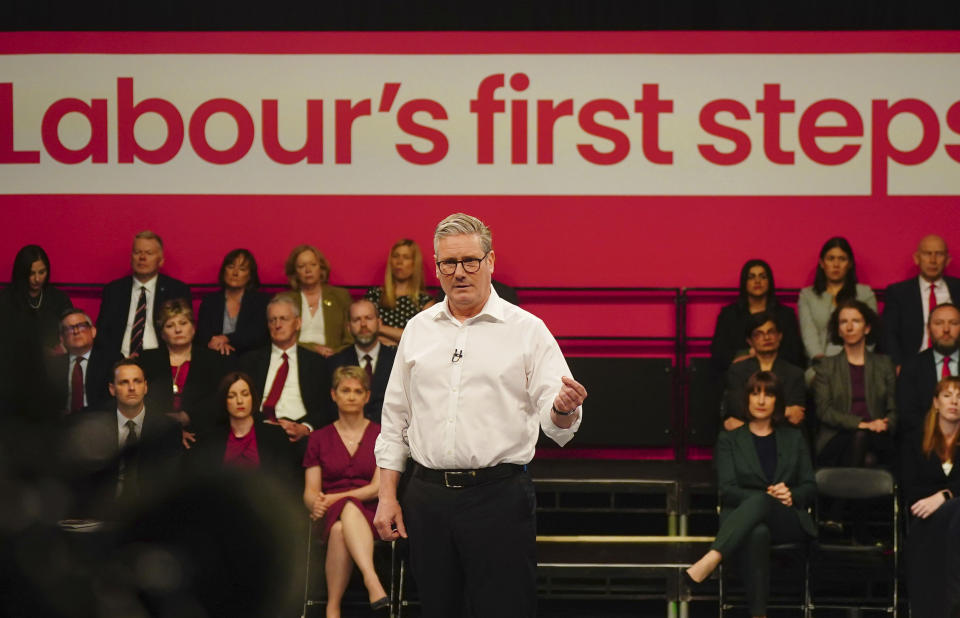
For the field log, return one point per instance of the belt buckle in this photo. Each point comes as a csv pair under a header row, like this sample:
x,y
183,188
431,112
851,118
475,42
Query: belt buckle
x,y
451,484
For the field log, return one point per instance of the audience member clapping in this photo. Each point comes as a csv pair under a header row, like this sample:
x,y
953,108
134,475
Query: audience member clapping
x,y
231,321
323,307
403,294
854,393
341,485
757,293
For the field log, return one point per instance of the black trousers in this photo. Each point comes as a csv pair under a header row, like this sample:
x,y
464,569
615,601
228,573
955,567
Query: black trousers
x,y
473,550
933,562
748,531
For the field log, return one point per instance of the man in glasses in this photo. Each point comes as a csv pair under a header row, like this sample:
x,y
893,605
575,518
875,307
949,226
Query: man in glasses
x,y
475,379
763,337
77,381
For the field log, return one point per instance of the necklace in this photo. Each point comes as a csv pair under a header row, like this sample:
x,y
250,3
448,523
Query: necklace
x,y
176,376
39,300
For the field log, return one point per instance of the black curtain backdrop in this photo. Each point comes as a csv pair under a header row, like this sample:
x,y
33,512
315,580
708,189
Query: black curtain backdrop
x,y
479,15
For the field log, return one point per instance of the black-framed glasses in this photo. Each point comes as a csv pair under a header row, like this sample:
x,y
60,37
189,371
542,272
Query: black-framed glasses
x,y
470,265
76,328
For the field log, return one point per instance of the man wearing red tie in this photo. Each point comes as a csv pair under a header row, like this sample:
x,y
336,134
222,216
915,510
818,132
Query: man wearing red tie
x,y
920,374
77,381
294,381
908,304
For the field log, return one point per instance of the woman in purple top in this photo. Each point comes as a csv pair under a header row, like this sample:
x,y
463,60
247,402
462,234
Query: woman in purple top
x,y
854,393
341,485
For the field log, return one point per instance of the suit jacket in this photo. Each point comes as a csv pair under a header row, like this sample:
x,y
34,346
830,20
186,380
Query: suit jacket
x,y
922,475
313,375
903,324
251,329
207,368
278,458
115,307
728,337
833,397
92,456
915,387
740,475
336,315
98,374
794,388
381,375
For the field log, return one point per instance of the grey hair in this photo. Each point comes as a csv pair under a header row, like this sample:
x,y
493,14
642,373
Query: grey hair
x,y
286,297
460,223
150,235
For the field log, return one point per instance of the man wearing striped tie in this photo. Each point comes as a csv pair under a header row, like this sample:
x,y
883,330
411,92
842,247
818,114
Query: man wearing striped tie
x,y
126,319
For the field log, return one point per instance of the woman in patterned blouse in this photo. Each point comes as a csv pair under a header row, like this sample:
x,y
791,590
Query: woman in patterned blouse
x,y
403,294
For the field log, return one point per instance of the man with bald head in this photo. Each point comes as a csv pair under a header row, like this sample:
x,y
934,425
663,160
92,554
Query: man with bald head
x,y
907,304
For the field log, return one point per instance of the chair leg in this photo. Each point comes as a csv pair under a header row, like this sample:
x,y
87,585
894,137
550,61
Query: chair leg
x,y
721,590
306,578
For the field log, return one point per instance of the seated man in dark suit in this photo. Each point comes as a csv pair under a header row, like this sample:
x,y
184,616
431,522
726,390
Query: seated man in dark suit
x,y
129,305
126,454
921,372
763,336
77,381
367,352
294,380
907,304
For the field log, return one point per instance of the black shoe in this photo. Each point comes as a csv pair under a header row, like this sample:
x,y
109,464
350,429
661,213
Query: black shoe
x,y
380,603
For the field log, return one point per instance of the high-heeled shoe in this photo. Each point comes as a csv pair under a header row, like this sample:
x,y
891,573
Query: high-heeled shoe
x,y
380,603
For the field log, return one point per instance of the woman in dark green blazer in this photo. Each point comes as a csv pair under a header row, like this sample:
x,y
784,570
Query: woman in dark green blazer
x,y
854,394
766,483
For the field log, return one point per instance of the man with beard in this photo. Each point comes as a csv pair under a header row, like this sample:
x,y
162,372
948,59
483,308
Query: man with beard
x,y
367,353
920,374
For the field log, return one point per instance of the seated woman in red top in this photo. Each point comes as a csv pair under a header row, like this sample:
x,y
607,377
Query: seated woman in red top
x,y
240,438
342,481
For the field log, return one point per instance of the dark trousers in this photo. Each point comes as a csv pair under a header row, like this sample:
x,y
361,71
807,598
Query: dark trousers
x,y
748,531
473,550
933,562
858,448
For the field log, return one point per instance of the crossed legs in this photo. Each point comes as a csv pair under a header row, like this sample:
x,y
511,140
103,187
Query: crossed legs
x,y
350,542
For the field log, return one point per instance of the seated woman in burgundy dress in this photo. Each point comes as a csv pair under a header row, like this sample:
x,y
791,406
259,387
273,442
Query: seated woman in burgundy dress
x,y
342,481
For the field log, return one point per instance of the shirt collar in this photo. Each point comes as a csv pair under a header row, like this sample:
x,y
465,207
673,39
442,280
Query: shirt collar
x,y
137,420
277,352
151,285
925,285
374,352
85,356
492,309
938,357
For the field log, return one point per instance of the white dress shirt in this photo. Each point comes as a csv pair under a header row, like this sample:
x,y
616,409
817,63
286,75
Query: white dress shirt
x,y
374,355
938,363
312,329
83,368
290,405
481,409
942,293
149,334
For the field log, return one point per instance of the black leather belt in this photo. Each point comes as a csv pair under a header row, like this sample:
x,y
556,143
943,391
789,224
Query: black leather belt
x,y
458,479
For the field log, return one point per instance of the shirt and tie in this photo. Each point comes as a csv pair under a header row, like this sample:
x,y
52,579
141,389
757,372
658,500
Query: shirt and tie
x,y
285,392
76,381
932,293
140,332
945,365
368,359
129,434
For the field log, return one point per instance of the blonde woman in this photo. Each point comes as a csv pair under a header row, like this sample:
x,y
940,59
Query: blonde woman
x,y
403,294
323,307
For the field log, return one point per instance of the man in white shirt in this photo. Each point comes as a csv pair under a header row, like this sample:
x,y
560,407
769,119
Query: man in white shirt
x,y
367,353
907,304
474,381
918,378
127,453
126,319
77,381
293,381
